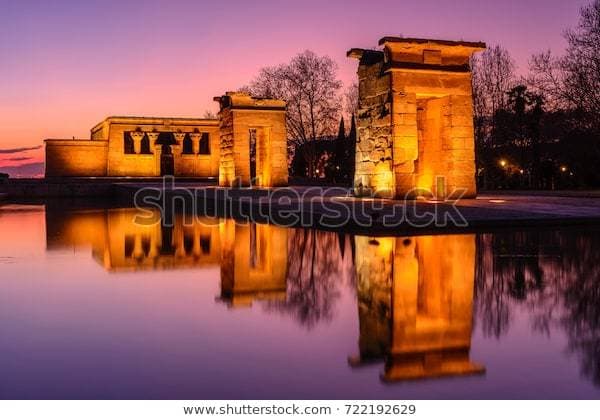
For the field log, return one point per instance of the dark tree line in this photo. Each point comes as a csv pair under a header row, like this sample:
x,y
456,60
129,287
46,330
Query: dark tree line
x,y
542,130
334,157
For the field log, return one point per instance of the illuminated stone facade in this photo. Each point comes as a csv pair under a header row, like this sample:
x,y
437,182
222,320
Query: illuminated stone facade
x,y
253,141
415,303
415,119
139,147
247,145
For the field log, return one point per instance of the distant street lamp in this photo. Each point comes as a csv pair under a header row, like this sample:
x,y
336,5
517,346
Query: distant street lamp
x,y
503,163
563,168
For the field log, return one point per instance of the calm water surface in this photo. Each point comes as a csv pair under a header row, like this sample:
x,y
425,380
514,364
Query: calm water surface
x,y
93,306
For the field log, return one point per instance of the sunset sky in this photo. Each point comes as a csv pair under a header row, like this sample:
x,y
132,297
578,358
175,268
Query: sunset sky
x,y
66,66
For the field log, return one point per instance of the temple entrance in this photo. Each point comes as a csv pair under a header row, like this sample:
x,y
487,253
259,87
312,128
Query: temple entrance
x,y
167,162
430,165
252,134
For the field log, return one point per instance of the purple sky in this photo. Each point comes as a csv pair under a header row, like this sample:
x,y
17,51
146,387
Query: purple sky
x,y
68,65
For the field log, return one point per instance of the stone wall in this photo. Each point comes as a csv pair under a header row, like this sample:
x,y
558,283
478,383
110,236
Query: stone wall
x,y
405,140
192,165
373,172
227,165
66,158
460,146
104,154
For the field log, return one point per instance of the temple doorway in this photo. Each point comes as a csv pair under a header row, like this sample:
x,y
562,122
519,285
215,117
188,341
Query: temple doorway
x,y
252,135
167,162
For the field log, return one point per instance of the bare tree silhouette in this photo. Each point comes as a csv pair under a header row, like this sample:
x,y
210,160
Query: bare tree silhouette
x,y
316,272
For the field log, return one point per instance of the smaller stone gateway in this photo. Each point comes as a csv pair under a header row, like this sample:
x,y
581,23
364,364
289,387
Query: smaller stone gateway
x,y
415,119
253,141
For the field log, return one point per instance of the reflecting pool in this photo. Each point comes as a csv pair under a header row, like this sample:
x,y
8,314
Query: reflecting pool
x,y
95,304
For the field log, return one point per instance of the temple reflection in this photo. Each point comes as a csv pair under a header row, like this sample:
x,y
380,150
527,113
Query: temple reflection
x,y
253,258
120,244
415,304
253,262
416,296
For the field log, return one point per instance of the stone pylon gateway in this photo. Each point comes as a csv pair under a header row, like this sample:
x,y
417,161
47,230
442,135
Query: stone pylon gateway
x,y
415,119
253,142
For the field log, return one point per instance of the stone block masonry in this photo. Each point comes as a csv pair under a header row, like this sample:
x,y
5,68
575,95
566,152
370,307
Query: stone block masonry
x,y
138,147
144,147
253,142
415,119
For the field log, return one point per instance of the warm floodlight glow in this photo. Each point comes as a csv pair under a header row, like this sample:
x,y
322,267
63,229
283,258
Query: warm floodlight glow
x,y
503,163
563,168
429,134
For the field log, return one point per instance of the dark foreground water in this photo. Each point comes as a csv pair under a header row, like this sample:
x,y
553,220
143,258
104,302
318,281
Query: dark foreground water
x,y
95,306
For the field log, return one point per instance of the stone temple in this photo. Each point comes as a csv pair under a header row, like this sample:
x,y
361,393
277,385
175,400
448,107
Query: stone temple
x,y
415,131
247,142
415,119
138,147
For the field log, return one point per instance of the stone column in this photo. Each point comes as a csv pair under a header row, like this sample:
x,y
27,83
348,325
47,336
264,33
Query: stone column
x,y
154,245
195,137
138,252
157,155
405,142
226,161
179,136
459,145
263,157
176,148
137,137
374,165
197,249
152,137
